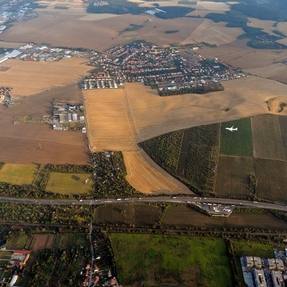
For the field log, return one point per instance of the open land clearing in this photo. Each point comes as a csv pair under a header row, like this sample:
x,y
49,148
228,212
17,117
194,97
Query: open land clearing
x,y
29,78
24,138
18,174
69,183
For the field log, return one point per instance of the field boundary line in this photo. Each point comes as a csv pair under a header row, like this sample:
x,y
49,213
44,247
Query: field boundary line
x,y
217,163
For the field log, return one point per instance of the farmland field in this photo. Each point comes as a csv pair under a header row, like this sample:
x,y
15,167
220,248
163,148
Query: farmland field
x,y
233,176
18,240
268,142
22,141
252,248
283,127
154,259
184,215
127,214
190,155
18,174
29,78
69,183
238,142
148,177
272,179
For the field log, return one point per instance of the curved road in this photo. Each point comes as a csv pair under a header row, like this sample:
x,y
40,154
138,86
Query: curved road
x,y
155,199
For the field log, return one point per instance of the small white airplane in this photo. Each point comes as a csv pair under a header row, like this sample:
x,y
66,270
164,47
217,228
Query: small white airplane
x,y
232,129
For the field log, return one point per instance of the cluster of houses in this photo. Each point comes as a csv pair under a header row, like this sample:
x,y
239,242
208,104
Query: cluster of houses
x,y
168,69
100,80
33,52
5,96
66,116
12,263
265,272
15,11
101,270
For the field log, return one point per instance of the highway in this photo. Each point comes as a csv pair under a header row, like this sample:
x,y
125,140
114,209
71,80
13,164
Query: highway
x,y
154,199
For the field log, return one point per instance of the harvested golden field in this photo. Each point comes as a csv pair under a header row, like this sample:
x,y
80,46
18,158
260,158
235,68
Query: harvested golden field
x,y
213,33
29,78
265,25
109,123
277,72
146,176
239,55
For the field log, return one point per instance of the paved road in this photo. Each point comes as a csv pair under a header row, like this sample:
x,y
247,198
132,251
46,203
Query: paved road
x,y
155,199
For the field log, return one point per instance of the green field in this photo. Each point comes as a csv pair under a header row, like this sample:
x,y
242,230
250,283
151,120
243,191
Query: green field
x,y
157,259
18,174
238,142
252,248
17,240
69,183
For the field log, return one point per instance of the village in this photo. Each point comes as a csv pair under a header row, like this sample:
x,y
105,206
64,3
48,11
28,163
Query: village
x,y
170,70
